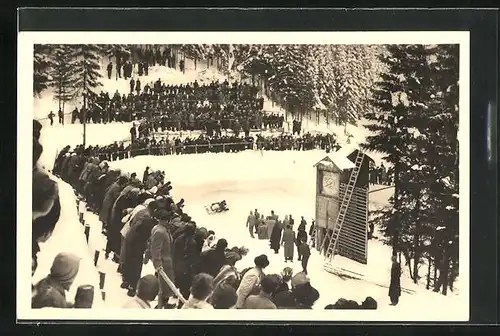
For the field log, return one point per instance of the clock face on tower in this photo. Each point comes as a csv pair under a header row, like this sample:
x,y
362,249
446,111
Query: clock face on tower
x,y
330,184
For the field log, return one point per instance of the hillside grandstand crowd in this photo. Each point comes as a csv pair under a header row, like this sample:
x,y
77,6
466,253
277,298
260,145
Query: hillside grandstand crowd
x,y
184,107
143,223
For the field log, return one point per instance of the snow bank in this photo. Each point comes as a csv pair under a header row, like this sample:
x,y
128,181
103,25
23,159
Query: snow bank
x,y
56,137
69,236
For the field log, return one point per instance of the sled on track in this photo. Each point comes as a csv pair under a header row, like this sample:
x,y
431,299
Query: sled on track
x,y
211,211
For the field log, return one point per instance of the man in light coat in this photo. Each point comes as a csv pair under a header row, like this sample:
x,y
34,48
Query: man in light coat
x,y
250,282
161,255
251,222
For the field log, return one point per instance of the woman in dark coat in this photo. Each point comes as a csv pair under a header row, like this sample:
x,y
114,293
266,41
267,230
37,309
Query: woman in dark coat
x,y
110,196
276,238
105,182
185,258
136,242
395,285
124,201
213,259
301,236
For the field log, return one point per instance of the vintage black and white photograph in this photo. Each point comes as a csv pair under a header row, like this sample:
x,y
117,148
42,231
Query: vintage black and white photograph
x,y
244,171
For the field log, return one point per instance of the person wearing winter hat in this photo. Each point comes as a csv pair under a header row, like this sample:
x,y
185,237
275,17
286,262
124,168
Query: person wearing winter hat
x,y
303,293
147,290
51,291
250,282
224,296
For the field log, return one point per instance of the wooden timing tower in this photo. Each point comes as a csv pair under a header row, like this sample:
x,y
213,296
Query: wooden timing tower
x,y
342,182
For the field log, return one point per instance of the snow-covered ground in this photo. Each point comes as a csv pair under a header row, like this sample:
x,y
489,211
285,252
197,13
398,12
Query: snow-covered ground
x,y
279,181
69,236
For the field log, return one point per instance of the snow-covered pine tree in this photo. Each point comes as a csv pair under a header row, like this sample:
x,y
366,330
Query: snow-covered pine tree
x,y
62,77
400,100
291,79
443,123
352,70
196,52
117,51
42,64
86,70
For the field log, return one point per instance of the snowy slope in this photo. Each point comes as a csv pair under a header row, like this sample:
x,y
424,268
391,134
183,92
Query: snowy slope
x,y
69,236
284,182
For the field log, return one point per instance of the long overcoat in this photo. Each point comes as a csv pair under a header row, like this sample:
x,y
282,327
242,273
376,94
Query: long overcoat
x,y
288,241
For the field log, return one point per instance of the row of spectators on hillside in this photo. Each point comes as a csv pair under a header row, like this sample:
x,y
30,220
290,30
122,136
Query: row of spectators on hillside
x,y
143,223
204,144
177,107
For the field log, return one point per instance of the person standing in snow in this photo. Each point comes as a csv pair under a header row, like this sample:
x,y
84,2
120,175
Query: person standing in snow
x,y
395,285
61,116
132,85
138,86
51,118
275,238
109,68
251,222
288,242
301,236
304,254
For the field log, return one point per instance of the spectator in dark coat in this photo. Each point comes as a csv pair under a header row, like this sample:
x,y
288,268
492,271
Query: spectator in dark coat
x,y
110,197
276,238
213,259
395,285
124,201
135,241
185,257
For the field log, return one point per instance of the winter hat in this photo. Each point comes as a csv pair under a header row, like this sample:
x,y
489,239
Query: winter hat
x,y
300,279
65,267
261,261
224,296
148,287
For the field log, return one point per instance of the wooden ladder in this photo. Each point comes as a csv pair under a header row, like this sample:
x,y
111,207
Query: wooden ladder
x,y
334,237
